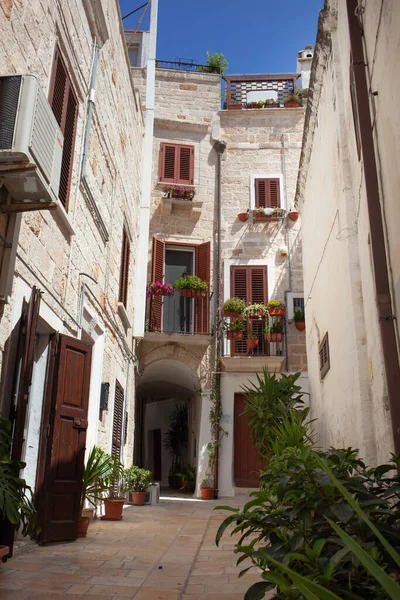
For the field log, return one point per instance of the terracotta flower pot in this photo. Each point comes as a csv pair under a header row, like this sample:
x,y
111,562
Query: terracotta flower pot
x,y
293,215
243,217
4,552
236,106
276,337
185,292
234,335
277,312
252,343
138,498
83,526
267,337
300,325
113,508
200,293
292,104
235,315
207,493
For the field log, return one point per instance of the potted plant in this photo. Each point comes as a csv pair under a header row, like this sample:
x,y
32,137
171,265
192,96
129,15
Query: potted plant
x,y
191,286
94,484
276,331
278,212
234,329
156,288
292,101
255,311
258,213
114,503
252,341
188,479
233,307
179,191
235,105
137,480
293,215
243,216
207,487
276,308
299,320
16,504
271,103
176,442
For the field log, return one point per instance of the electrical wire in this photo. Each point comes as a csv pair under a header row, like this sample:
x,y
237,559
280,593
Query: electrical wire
x,y
139,23
134,11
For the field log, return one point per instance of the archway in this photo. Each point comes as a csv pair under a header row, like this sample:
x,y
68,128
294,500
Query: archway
x,y
167,388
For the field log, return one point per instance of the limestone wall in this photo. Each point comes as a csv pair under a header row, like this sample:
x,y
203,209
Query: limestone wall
x,y
48,255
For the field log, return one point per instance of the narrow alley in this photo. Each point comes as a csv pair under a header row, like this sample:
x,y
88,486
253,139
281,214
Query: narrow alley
x,y
162,552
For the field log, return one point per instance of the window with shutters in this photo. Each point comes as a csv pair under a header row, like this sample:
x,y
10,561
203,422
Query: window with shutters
x,y
324,358
117,420
124,270
64,104
250,283
267,193
176,164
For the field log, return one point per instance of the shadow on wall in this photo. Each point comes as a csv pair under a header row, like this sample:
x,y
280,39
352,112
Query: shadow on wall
x,y
282,267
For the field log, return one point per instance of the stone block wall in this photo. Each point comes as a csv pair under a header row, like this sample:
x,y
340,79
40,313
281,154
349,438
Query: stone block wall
x,y
48,256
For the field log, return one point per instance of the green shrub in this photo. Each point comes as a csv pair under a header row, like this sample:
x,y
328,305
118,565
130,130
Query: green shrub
x,y
298,316
235,305
137,479
233,325
190,282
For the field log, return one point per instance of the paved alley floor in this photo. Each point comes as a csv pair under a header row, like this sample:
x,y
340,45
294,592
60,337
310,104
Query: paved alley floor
x,y
163,552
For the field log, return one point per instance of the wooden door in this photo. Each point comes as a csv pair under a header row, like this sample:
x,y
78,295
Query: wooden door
x,y
247,462
63,436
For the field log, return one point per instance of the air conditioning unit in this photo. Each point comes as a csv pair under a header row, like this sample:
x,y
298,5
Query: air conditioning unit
x,y
31,145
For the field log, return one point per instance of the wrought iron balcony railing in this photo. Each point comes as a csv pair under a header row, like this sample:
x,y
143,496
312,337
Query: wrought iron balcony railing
x,y
179,314
264,344
182,65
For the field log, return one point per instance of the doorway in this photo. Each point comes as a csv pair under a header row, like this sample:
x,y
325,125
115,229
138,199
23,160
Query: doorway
x,y
177,310
155,453
246,459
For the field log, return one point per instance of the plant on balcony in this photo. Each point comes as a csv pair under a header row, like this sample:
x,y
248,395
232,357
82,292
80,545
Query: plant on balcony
x,y
233,307
137,481
252,341
156,288
292,101
179,191
271,103
299,320
276,308
234,329
191,286
215,63
243,216
255,311
276,331
278,212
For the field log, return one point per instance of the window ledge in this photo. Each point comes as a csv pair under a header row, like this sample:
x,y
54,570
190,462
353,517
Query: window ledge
x,y
194,206
63,219
123,315
252,364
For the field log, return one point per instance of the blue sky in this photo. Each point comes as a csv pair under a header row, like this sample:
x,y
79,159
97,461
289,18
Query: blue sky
x,y
256,37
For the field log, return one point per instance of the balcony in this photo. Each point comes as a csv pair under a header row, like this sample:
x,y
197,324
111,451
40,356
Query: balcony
x,y
269,350
246,91
179,318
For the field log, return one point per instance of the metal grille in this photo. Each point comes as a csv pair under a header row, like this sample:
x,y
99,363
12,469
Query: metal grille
x,y
117,421
238,87
298,304
9,95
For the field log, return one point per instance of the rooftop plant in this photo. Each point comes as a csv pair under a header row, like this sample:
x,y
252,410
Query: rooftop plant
x,y
216,63
190,282
292,98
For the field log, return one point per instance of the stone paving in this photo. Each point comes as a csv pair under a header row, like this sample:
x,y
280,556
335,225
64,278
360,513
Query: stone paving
x,y
163,552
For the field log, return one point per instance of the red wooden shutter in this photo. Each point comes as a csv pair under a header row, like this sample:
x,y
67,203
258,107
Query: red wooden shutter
x,y
117,420
186,165
251,285
64,104
157,274
124,270
168,161
203,263
267,193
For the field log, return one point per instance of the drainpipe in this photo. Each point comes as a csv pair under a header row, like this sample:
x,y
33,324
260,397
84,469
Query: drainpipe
x,y
92,93
219,147
144,217
380,270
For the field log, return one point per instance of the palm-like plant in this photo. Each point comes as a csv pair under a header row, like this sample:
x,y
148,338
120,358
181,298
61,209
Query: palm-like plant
x,y
176,438
95,476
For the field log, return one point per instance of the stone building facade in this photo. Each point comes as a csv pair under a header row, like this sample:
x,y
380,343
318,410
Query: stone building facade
x,y
347,195
177,359
80,256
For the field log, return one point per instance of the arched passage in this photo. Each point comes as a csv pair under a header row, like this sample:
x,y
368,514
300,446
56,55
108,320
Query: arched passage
x,y
166,387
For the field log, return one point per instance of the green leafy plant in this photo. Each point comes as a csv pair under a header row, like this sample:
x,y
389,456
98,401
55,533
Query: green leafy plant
x,y
16,501
234,305
255,310
292,98
190,282
216,63
114,479
298,316
208,482
187,475
252,337
233,325
270,101
276,327
176,438
95,477
275,304
137,479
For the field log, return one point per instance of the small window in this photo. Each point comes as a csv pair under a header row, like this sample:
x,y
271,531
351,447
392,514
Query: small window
x,y
267,193
64,104
324,359
124,271
133,52
298,304
177,164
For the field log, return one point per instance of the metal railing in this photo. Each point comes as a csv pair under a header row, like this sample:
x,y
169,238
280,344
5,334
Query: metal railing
x,y
185,66
264,344
179,314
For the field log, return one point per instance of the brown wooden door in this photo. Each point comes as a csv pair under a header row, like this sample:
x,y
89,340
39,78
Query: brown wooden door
x,y
247,462
63,436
